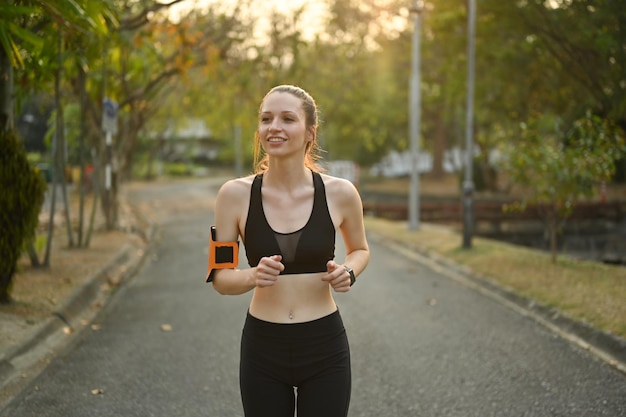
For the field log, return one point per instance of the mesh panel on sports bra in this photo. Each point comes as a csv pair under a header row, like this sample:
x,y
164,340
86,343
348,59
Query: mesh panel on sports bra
x,y
288,243
303,251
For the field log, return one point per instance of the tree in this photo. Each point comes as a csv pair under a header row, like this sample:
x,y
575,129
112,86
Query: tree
x,y
20,202
586,39
558,165
539,58
23,41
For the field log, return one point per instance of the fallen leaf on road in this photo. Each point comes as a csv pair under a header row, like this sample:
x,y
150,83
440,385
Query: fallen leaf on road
x,y
166,327
68,330
97,391
431,301
114,280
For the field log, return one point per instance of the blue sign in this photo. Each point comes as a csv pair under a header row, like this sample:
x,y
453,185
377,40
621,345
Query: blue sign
x,y
109,116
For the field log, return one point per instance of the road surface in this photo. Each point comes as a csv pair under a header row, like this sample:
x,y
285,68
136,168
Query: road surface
x,y
422,344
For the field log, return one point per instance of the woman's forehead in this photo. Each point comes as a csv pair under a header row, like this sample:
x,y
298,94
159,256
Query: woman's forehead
x,y
278,102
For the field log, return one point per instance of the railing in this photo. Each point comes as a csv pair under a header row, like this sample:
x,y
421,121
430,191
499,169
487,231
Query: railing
x,y
446,211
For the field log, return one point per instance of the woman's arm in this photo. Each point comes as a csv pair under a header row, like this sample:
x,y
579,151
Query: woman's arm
x,y
230,207
346,200
228,211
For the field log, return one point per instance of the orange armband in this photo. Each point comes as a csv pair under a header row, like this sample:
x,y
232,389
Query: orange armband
x,y
222,255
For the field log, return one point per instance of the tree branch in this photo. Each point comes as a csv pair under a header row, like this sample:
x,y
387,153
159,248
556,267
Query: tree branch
x,y
135,22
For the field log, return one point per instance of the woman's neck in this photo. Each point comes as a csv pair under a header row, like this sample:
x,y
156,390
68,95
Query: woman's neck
x,y
281,174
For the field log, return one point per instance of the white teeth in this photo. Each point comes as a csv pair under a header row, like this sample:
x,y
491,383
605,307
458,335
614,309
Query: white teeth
x,y
275,140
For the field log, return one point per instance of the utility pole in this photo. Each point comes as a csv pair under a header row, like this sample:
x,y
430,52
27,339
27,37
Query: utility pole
x,y
414,118
468,182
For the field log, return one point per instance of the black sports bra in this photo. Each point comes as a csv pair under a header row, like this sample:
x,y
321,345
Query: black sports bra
x,y
303,251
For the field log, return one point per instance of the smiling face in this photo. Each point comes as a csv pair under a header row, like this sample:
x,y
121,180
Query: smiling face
x,y
282,125
288,121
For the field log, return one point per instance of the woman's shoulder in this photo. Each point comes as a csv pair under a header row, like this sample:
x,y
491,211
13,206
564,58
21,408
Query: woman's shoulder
x,y
337,187
236,188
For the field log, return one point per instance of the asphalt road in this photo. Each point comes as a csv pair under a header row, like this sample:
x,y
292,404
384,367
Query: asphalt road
x,y
422,344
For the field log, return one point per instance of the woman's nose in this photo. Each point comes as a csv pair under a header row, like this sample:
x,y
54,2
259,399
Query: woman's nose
x,y
275,125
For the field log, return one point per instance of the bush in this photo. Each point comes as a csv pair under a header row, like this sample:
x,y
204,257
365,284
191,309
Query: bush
x,y
23,190
177,169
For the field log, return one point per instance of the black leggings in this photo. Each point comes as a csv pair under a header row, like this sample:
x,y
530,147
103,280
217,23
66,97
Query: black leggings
x,y
312,357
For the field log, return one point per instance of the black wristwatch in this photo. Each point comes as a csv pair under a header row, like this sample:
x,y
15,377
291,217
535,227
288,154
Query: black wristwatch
x,y
351,272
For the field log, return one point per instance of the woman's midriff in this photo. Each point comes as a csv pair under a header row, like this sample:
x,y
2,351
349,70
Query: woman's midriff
x,y
294,298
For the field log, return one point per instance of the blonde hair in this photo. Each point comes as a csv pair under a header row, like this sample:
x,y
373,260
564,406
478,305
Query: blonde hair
x,y
313,150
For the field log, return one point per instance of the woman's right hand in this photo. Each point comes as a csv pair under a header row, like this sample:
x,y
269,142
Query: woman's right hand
x,y
267,270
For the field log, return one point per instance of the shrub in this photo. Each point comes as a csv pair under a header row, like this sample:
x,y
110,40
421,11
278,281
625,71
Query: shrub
x,y
177,169
23,190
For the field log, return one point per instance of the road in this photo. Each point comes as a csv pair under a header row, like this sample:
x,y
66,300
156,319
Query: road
x,y
422,344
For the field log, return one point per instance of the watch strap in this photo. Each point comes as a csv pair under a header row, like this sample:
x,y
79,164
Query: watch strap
x,y
352,276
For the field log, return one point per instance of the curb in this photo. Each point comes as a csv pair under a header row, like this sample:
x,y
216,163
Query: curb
x,y
607,347
81,299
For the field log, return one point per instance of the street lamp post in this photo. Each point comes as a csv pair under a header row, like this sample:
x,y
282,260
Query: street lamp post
x,y
414,108
468,182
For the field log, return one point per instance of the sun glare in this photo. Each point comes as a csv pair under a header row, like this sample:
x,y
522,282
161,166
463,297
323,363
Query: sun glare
x,y
312,21
556,4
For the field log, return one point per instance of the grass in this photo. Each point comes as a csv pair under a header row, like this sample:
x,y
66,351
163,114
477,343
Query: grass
x,y
587,291
582,290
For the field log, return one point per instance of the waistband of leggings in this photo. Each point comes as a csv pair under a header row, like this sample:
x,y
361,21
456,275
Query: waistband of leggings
x,y
329,324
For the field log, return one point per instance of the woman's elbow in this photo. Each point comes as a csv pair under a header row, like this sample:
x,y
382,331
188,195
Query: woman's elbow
x,y
226,283
366,256
219,284
220,290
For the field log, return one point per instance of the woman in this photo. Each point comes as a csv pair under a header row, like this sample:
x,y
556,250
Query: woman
x,y
287,216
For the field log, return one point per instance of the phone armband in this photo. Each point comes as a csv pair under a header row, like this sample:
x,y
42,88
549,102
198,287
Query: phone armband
x,y
222,255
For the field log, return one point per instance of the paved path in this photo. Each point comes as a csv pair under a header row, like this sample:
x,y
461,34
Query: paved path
x,y
422,344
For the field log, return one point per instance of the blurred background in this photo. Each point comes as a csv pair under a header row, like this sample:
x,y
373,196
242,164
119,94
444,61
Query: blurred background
x,y
183,81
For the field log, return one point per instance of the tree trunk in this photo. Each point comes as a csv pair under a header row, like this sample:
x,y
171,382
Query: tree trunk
x,y
82,81
60,133
6,277
6,124
553,228
6,92
97,189
34,257
53,199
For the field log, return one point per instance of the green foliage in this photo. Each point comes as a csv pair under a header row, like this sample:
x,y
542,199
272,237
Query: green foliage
x,y
582,42
23,191
18,18
532,59
177,169
9,15
559,165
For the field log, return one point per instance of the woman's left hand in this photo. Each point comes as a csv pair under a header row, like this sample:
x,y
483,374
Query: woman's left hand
x,y
337,276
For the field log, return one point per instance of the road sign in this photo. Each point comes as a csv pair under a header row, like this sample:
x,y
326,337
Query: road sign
x,y
109,116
